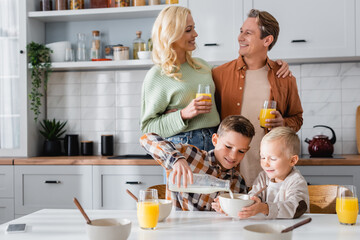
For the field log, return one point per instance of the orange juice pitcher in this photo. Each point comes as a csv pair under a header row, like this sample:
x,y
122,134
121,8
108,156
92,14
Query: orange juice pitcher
x,y
265,112
347,205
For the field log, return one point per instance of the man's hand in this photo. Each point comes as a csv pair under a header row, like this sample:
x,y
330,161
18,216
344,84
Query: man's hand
x,y
181,168
257,207
196,106
275,122
216,205
284,70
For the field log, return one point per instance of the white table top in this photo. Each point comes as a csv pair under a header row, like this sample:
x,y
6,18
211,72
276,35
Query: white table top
x,y
69,224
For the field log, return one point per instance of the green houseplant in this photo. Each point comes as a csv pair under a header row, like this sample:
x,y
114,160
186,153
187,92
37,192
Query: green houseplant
x,y
39,58
52,131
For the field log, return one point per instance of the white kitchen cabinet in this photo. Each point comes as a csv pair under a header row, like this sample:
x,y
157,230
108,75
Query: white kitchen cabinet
x,y
6,193
110,184
39,187
218,25
311,29
339,175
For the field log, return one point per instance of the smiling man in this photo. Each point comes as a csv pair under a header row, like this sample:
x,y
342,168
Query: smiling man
x,y
231,142
243,85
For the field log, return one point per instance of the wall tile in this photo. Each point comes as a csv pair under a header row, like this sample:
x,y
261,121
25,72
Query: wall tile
x,y
63,101
333,121
64,77
351,95
127,125
126,148
64,90
97,77
349,147
349,108
128,136
313,96
348,134
98,101
321,109
97,89
311,70
348,121
128,100
130,76
98,125
99,113
310,83
350,82
350,69
128,88
64,113
128,112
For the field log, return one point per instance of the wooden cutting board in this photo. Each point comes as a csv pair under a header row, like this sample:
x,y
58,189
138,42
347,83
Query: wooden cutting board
x,y
358,128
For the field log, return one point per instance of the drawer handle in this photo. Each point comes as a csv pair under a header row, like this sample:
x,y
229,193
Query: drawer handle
x,y
298,41
52,182
210,44
133,183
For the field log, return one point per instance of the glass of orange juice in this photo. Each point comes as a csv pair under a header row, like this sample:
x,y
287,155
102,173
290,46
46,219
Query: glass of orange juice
x,y
347,206
148,209
268,107
204,90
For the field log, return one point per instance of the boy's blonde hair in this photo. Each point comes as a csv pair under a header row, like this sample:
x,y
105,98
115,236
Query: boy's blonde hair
x,y
169,27
236,123
289,138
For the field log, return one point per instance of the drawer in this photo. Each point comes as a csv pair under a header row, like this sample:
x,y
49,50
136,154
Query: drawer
x,y
39,187
110,184
6,181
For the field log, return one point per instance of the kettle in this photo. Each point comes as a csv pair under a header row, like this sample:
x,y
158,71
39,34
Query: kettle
x,y
321,145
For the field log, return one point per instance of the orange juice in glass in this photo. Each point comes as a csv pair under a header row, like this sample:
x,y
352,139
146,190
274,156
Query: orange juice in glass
x,y
268,107
148,209
347,205
204,90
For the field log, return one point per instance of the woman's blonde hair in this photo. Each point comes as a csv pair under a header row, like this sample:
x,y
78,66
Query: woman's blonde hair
x,y
169,27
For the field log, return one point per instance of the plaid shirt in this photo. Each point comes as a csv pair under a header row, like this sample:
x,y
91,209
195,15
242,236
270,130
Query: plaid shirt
x,y
167,153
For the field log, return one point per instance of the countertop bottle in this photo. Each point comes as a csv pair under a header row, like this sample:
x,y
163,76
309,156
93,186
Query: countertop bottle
x,y
203,183
95,45
138,45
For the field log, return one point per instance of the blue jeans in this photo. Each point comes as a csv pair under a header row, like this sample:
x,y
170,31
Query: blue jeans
x,y
200,138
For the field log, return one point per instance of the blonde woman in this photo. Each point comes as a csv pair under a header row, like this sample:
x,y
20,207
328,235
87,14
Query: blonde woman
x,y
172,84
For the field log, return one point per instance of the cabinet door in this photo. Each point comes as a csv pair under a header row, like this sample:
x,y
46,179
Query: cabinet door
x,y
111,182
312,29
6,181
6,210
357,28
39,187
218,24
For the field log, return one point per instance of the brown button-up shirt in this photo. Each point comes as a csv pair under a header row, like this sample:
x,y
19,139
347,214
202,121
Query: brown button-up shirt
x,y
230,79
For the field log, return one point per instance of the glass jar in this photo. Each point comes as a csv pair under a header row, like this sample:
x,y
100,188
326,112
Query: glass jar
x,y
61,4
122,3
172,1
81,47
150,44
121,53
45,5
95,45
139,3
98,3
154,2
138,45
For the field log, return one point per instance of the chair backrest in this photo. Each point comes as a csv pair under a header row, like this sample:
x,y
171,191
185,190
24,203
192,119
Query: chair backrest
x,y
322,198
161,188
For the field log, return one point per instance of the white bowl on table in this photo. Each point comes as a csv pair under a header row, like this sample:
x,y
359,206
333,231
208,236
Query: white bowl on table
x,y
165,207
144,54
58,48
109,229
266,231
233,206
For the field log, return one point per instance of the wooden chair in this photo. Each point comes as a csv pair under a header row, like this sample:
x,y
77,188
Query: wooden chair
x,y
161,188
322,198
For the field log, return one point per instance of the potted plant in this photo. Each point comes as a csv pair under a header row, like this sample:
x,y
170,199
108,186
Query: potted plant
x,y
52,131
39,58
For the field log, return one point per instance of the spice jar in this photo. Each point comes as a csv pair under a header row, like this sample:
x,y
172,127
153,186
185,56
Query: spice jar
x,y
121,53
98,3
139,3
172,1
61,4
122,3
95,45
45,5
76,4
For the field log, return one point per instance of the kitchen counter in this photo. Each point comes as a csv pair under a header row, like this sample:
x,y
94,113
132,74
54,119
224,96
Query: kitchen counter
x,y
69,224
347,160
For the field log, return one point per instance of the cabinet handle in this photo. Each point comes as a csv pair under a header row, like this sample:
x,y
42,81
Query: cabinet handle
x,y
133,183
52,181
210,44
298,41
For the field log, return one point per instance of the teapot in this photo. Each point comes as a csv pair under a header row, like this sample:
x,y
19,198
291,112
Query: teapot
x,y
321,145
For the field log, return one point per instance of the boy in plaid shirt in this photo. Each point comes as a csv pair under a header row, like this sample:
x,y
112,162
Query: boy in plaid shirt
x,y
231,143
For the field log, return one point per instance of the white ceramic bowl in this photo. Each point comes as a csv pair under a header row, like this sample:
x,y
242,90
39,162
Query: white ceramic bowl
x,y
109,228
233,206
144,54
165,207
58,48
266,231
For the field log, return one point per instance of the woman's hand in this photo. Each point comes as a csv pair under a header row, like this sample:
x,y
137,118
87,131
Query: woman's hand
x,y
196,106
216,205
284,70
257,207
181,168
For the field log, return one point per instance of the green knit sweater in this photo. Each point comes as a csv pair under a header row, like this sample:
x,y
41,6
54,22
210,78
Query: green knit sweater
x,y
161,93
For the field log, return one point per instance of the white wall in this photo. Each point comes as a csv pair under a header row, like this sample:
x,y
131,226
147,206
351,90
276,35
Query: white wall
x,y
108,102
